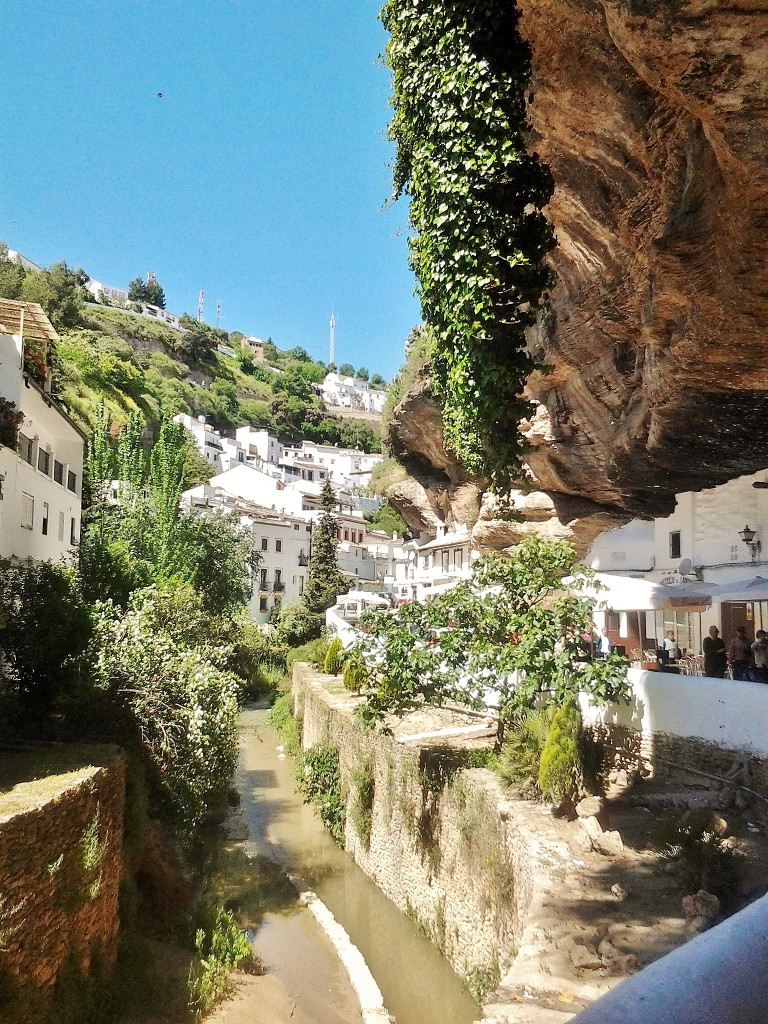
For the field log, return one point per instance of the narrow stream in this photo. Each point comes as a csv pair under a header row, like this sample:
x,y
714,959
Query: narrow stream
x,y
417,984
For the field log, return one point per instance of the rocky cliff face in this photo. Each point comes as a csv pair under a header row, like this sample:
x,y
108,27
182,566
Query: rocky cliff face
x,y
653,115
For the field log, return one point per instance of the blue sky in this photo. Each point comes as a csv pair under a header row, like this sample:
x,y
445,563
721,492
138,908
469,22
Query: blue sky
x,y
259,176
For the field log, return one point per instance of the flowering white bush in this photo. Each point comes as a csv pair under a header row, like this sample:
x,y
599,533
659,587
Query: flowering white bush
x,y
183,701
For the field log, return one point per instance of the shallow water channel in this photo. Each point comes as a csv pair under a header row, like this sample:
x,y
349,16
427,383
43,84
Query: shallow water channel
x,y
417,984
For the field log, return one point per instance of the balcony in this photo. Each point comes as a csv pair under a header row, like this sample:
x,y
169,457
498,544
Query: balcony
x,y
278,586
303,560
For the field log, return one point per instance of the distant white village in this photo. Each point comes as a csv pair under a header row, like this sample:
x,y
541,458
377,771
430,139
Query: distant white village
x,y
713,540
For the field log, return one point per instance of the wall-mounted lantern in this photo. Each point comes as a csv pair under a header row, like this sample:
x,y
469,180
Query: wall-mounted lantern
x,y
748,536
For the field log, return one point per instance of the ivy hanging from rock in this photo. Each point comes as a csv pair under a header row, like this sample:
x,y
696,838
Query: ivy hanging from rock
x,y
461,71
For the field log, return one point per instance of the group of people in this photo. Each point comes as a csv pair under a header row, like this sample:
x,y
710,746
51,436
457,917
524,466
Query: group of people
x,y
748,658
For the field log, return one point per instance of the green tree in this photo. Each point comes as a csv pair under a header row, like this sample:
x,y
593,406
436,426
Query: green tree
x,y
362,374
155,295
324,578
145,538
347,370
11,275
58,290
45,629
137,290
197,342
385,518
377,381
509,637
358,434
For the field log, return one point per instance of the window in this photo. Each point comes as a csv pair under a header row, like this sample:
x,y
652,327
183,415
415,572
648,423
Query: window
x,y
45,519
26,448
444,560
674,544
72,481
73,530
262,604
58,471
27,511
458,557
62,521
264,544
301,585
278,545
310,474
263,579
295,526
346,535
44,462
308,529
278,575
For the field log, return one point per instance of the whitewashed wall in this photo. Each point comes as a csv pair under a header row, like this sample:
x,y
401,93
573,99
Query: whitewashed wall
x,y
723,711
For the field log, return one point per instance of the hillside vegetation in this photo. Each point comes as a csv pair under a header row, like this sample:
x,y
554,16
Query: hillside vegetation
x,y
130,363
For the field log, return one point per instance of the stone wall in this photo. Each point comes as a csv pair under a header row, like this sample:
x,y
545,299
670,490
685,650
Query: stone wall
x,y
445,846
60,869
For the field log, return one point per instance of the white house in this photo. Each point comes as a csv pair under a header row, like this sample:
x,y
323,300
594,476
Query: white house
x,y
351,393
222,452
262,446
346,467
41,448
101,291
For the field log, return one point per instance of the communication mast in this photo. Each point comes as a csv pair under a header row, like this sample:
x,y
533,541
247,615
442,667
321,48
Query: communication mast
x,y
200,306
218,313
333,334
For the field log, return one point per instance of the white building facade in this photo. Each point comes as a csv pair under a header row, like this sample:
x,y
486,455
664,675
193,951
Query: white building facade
x,y
41,462
704,539
351,393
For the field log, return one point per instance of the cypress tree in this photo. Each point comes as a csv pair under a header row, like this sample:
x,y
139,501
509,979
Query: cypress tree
x,y
324,578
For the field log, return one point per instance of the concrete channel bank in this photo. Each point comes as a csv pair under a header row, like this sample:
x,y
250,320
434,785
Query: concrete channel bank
x,y
485,877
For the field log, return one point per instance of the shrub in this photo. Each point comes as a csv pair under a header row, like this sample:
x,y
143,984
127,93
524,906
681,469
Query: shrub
x,y
707,857
333,657
179,694
361,812
355,673
520,756
319,781
281,719
220,950
313,653
560,767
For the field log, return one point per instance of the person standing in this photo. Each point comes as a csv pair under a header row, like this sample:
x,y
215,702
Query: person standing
x,y
740,653
604,645
715,655
760,657
670,644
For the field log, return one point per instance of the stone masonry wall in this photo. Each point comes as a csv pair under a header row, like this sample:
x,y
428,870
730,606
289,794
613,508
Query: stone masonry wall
x,y
449,850
60,868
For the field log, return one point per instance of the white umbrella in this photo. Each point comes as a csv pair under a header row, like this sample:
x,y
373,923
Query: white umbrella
x,y
755,589
626,593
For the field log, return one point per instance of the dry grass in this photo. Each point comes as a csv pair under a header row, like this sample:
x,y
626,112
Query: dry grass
x,y
33,776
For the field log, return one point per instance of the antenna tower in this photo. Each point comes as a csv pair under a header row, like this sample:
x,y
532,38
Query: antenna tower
x,y
218,313
333,336
200,306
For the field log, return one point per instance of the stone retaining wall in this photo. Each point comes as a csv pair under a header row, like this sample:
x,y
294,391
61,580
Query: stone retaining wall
x,y
449,850
60,868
